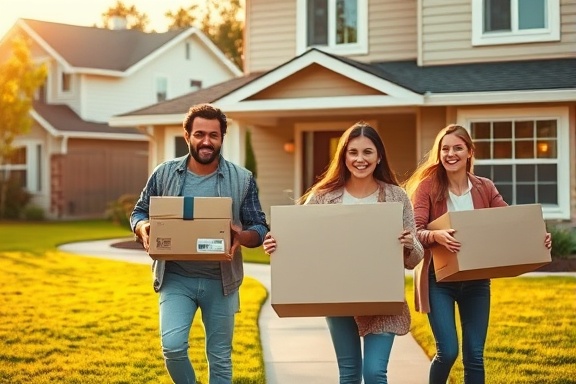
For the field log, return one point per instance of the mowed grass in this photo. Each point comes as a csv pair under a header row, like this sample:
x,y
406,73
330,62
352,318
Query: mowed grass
x,y
531,336
73,319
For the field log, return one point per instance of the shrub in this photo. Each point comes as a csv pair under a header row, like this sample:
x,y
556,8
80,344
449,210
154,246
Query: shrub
x,y
563,242
33,213
119,211
13,199
250,161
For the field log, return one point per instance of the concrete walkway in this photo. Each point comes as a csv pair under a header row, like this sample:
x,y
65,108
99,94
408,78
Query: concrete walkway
x,y
296,350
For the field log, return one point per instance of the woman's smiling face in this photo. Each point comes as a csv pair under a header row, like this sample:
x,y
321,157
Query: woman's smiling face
x,y
454,153
361,157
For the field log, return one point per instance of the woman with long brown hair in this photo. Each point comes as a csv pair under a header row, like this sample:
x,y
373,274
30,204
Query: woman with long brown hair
x,y
360,173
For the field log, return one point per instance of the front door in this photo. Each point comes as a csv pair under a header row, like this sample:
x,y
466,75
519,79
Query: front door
x,y
318,149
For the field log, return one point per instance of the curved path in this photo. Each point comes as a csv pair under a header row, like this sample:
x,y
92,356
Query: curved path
x,y
296,350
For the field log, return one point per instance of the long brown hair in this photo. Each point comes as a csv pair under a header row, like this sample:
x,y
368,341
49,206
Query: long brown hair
x,y
432,165
337,173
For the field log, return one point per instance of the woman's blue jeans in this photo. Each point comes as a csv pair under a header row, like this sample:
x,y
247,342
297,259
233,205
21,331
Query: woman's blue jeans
x,y
180,297
473,299
347,346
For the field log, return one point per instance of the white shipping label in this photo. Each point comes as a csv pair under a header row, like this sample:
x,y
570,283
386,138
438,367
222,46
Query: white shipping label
x,y
210,246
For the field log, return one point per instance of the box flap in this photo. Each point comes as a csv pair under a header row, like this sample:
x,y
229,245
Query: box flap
x,y
189,208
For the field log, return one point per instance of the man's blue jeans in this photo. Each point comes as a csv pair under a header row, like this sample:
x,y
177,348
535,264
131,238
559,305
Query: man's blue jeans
x,y
473,299
180,297
347,345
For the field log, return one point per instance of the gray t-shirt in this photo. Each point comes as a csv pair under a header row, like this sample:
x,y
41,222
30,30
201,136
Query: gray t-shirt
x,y
201,186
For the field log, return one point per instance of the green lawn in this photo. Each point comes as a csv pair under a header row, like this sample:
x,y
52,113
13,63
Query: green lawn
x,y
532,332
69,319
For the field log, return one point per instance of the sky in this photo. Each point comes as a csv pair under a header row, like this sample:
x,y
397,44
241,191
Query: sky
x,y
82,12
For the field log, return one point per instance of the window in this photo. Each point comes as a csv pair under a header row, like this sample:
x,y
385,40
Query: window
x,y
24,165
187,51
337,26
525,155
66,82
515,21
195,85
161,88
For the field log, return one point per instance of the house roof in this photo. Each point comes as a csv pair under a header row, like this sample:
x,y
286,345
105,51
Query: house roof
x,y
401,83
99,48
60,120
476,77
183,103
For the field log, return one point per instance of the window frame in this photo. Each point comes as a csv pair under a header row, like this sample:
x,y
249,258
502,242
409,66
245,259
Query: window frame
x,y
516,36
358,48
561,115
32,166
158,78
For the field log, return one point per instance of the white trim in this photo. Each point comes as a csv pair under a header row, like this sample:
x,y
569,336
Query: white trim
x,y
32,172
360,48
562,211
330,63
500,97
516,36
170,135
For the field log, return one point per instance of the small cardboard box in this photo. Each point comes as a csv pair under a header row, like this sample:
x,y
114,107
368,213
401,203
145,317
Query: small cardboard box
x,y
496,242
337,260
190,228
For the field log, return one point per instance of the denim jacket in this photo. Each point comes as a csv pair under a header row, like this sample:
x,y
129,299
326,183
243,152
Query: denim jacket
x,y
233,181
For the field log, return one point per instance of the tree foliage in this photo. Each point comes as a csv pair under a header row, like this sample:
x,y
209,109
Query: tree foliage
x,y
221,20
20,77
134,19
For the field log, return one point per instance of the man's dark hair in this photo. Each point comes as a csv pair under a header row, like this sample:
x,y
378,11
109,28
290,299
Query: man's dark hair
x,y
206,111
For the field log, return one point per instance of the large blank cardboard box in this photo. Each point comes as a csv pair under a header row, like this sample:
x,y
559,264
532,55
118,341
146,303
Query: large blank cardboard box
x,y
190,228
337,260
496,242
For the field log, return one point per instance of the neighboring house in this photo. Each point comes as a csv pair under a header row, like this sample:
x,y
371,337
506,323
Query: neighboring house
x,y
504,70
72,161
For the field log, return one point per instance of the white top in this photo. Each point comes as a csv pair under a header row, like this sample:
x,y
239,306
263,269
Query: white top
x,y
349,199
461,203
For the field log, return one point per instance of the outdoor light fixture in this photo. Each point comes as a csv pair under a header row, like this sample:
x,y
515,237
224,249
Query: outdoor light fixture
x,y
289,147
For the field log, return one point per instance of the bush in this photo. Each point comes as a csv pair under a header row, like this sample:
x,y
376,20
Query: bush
x,y
13,199
563,242
33,213
119,211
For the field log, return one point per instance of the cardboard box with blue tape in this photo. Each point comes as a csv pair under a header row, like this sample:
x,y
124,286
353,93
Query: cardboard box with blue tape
x,y
190,228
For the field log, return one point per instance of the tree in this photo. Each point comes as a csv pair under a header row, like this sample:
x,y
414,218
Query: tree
x,y
182,17
20,77
134,19
221,20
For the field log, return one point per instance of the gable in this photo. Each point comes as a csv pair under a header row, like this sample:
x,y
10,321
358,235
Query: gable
x,y
314,81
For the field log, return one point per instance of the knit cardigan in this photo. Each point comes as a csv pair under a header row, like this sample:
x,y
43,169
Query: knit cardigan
x,y
484,195
397,324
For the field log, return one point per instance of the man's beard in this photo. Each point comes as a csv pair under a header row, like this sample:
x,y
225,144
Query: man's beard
x,y
206,160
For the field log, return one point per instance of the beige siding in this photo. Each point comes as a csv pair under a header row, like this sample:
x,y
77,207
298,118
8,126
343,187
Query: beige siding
x,y
270,34
447,36
392,31
275,167
314,81
430,121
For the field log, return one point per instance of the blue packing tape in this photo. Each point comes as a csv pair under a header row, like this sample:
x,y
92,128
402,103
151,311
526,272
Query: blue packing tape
x,y
188,208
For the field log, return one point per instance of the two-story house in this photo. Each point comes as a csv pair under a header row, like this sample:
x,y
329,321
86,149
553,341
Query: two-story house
x,y
506,70
72,162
